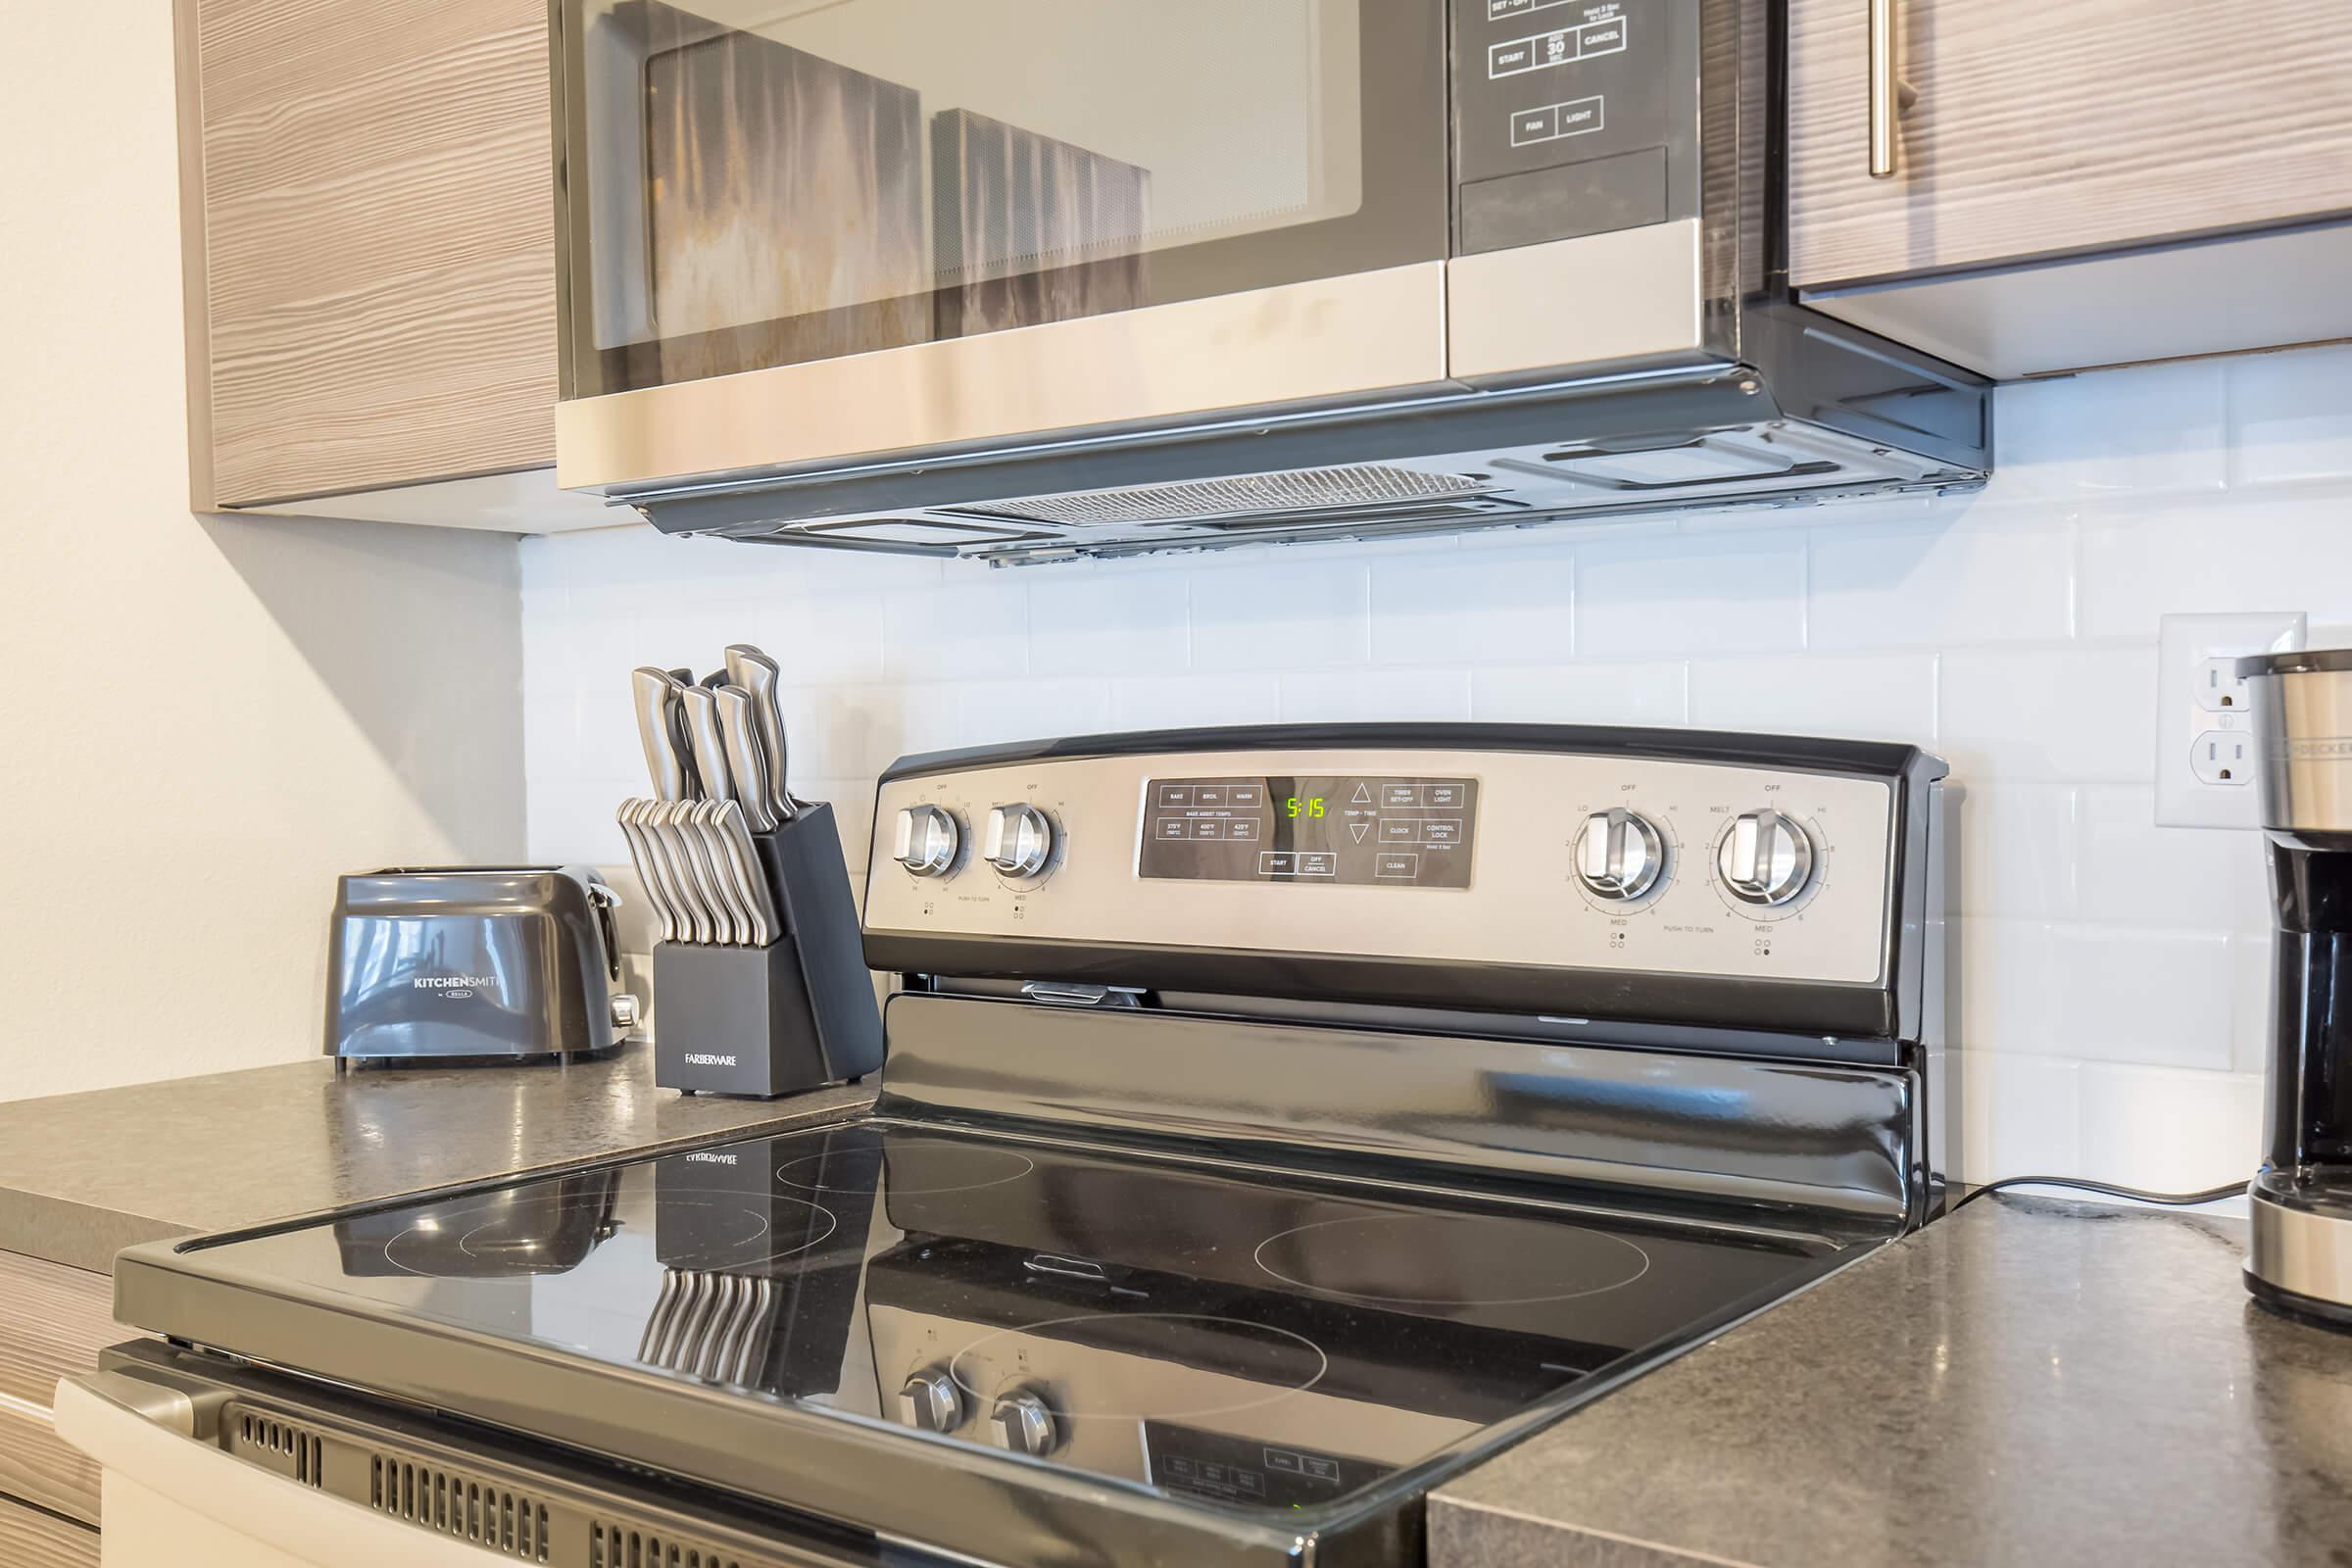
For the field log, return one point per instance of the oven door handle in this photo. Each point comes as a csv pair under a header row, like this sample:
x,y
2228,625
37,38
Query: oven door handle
x,y
147,1433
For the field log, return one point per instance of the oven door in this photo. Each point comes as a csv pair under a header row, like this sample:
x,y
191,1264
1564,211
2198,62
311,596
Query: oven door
x,y
1222,203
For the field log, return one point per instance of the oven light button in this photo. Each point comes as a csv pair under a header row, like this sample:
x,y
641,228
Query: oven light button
x,y
1024,1423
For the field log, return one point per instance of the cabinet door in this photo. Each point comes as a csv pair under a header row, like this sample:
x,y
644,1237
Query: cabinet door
x,y
53,1322
376,242
2063,126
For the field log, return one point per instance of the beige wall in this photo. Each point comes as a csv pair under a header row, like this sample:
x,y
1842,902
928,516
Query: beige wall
x,y
205,719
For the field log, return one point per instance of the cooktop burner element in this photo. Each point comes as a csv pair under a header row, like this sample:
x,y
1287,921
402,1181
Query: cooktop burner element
x,y
1423,1261
915,1165
1275,1122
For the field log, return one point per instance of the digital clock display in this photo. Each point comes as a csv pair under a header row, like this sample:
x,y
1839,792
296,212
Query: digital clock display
x,y
1369,830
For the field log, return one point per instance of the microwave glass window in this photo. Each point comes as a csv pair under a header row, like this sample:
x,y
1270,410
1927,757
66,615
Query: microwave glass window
x,y
761,182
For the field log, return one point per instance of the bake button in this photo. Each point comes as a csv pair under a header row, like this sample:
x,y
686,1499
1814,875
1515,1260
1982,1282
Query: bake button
x,y
1175,794
1276,863
1251,796
1318,863
1526,125
1173,827
1242,828
1208,827
1407,866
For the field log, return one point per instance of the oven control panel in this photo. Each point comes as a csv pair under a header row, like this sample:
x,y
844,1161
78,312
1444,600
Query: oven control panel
x,y
1545,858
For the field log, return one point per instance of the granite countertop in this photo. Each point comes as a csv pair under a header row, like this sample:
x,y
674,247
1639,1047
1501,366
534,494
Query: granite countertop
x,y
2029,1380
83,1176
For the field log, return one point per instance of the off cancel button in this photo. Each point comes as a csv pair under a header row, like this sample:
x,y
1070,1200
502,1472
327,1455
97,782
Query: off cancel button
x,y
1400,867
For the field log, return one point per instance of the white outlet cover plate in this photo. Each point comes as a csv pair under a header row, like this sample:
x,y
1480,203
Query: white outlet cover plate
x,y
2185,643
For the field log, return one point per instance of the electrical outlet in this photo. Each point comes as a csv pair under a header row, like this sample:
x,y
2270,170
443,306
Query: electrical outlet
x,y
2206,716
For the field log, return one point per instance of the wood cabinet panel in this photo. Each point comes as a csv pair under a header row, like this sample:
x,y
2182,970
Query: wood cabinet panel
x,y
30,1539
53,1321
2064,125
377,242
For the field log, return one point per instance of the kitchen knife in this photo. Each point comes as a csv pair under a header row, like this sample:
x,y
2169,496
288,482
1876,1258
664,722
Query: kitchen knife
x,y
651,870
713,922
710,745
761,675
731,822
747,763
733,887
650,693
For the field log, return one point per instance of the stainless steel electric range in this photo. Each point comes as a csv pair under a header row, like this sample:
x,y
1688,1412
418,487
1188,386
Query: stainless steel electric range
x,y
1275,1122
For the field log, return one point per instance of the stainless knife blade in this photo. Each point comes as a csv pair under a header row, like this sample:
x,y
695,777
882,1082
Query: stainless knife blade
x,y
762,676
747,763
650,694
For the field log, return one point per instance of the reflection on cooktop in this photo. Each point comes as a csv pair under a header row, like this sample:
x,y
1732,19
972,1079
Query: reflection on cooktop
x,y
1260,1337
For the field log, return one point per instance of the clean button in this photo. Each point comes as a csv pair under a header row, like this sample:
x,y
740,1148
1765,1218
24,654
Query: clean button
x,y
1397,866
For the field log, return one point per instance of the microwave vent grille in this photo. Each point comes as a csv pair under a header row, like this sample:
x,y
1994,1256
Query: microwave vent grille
x,y
1294,490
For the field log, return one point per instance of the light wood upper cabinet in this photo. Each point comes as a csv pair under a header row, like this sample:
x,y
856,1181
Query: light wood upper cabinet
x,y
2063,126
369,204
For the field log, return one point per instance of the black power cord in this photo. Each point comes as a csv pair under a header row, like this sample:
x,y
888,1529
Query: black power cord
x,y
2211,1194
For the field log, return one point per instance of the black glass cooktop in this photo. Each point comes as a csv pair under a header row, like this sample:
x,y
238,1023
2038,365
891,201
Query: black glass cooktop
x,y
1263,1339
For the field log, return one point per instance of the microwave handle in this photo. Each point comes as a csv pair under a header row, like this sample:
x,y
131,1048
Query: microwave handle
x,y
1890,94
194,1504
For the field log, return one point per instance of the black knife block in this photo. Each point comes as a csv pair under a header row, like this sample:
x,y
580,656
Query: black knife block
x,y
796,1014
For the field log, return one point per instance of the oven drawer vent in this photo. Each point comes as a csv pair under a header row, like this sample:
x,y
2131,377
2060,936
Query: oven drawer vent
x,y
611,1545
453,1504
282,1445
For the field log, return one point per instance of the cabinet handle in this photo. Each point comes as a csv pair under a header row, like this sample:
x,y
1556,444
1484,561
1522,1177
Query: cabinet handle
x,y
1889,93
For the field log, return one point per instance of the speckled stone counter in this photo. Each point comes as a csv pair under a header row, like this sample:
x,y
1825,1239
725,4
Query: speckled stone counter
x,y
2028,1382
82,1176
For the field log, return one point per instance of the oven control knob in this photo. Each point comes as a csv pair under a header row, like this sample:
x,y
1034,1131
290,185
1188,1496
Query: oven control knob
x,y
926,840
1765,858
1619,855
1020,839
930,1401
1024,1423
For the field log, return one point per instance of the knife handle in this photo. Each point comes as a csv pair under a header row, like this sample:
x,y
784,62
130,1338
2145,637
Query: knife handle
x,y
651,694
709,745
761,675
745,761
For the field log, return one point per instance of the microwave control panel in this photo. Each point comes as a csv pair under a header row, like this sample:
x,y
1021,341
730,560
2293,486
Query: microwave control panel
x,y
1573,117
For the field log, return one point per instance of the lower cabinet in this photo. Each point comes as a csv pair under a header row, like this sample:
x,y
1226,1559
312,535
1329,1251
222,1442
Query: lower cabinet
x,y
31,1539
54,1321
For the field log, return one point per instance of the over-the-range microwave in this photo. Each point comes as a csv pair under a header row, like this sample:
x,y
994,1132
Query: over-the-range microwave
x,y
1033,279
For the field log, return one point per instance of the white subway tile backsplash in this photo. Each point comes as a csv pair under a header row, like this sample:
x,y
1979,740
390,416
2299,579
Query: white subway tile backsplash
x,y
2138,994
2139,563
2136,431
1991,574
2290,417
1661,594
1123,624
1875,696
1592,693
2135,872
1365,695
2014,849
2168,1130
1288,613
2050,713
2112,976
1477,607
958,631
2020,1115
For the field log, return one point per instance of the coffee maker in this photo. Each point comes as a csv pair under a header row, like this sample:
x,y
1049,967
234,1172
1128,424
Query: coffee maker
x,y
2300,1261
